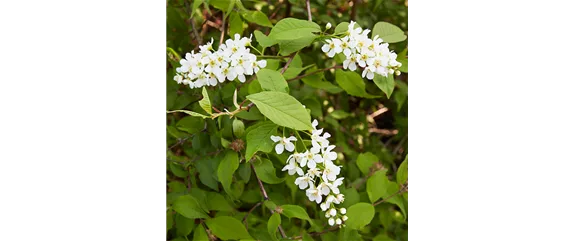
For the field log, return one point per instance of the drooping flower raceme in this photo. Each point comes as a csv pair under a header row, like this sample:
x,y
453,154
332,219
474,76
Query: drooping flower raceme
x,y
372,55
317,172
231,61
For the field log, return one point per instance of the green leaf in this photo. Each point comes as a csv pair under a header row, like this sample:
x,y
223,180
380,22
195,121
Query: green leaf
x,y
382,237
257,17
191,113
272,80
282,109
359,215
235,24
238,128
377,185
225,171
222,5
365,161
388,32
317,81
205,103
177,170
184,225
245,171
216,201
352,83
196,4
169,219
339,114
263,40
294,211
227,228
259,139
199,234
293,34
273,224
402,172
343,27
266,172
270,204
386,84
187,206
190,124
402,58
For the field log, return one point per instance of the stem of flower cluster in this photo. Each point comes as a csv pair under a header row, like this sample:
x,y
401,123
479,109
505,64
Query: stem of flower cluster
x,y
314,72
264,193
301,139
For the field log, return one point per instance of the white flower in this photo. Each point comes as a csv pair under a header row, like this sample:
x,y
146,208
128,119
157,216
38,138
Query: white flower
x,y
350,62
312,158
328,154
347,45
340,198
332,47
293,168
338,221
330,199
314,195
345,217
331,171
324,206
284,143
369,71
331,221
335,185
324,188
313,172
328,26
304,181
343,210
332,212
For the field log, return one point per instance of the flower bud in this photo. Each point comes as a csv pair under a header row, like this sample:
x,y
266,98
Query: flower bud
x,y
333,212
338,221
328,26
331,221
327,215
343,210
345,218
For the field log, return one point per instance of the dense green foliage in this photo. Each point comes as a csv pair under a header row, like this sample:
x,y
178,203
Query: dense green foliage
x,y
221,161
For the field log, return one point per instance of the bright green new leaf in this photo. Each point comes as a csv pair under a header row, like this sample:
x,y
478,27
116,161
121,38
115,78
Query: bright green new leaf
x,y
295,211
235,24
227,228
388,32
294,34
365,161
263,40
259,139
402,172
191,113
238,128
187,206
272,80
360,215
339,114
282,109
225,171
257,17
273,224
196,4
205,103
317,81
377,185
352,83
386,84
266,172
343,27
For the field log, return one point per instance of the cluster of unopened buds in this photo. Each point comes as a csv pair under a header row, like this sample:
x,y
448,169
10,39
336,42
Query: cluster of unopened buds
x,y
317,172
231,61
373,55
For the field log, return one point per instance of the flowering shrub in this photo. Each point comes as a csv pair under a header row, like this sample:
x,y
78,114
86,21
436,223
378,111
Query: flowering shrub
x,y
272,134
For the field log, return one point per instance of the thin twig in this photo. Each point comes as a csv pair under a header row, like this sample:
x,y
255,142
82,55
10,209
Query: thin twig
x,y
194,28
314,72
353,9
265,196
247,215
289,62
222,29
181,141
405,186
309,10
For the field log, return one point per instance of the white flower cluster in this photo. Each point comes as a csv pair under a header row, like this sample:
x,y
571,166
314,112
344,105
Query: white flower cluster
x,y
231,60
372,55
320,178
